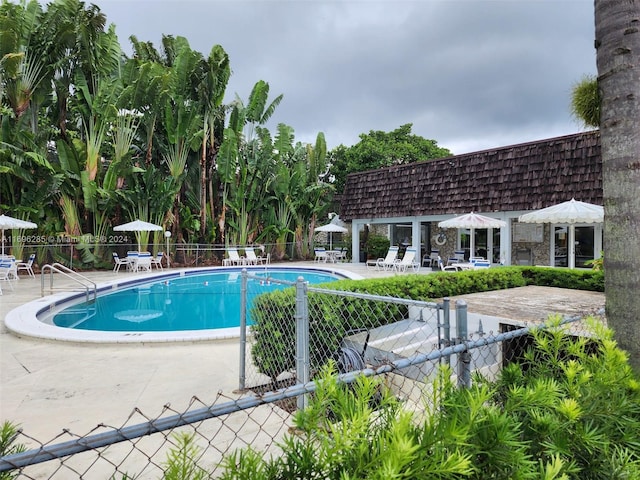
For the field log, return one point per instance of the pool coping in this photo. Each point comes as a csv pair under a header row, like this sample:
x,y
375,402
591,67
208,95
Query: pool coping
x,y
23,320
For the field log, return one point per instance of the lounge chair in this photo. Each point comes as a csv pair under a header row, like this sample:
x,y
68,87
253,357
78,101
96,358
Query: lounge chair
x,y
27,266
448,268
408,260
481,264
252,258
385,263
233,257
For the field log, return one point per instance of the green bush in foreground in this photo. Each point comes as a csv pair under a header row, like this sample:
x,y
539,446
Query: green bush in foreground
x,y
570,410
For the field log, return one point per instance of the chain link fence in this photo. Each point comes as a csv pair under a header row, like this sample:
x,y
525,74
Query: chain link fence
x,y
286,337
69,251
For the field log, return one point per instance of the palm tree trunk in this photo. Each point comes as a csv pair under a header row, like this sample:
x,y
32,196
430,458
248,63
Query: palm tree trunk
x,y
203,183
617,25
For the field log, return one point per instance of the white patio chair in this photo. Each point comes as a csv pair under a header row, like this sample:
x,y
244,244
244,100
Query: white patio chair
x,y
157,261
387,262
6,268
321,255
431,259
132,261
13,269
118,262
27,266
408,261
341,255
458,257
233,257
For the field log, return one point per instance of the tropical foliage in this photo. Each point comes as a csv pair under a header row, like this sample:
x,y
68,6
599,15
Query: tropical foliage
x,y
585,102
92,138
568,409
381,149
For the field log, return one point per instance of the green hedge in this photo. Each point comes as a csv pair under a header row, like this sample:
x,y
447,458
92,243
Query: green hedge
x,y
331,317
591,280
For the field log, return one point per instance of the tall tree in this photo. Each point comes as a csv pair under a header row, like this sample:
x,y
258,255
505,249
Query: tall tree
x,y
617,31
214,77
244,159
378,149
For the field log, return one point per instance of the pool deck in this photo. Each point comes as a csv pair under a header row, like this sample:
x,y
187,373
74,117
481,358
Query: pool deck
x,y
48,386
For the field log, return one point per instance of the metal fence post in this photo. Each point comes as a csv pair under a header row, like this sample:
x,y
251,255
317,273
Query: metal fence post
x,y
302,338
464,358
243,329
445,336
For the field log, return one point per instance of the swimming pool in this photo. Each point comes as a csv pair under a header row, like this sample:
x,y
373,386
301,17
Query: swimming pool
x,y
196,302
185,305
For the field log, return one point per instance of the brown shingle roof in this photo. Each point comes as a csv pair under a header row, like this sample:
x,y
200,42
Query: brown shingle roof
x,y
526,176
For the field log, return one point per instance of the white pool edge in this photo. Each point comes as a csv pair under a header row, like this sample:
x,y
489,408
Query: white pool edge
x,y
23,321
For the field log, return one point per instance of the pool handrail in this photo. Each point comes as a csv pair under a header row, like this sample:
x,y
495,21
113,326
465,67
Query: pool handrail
x,y
71,274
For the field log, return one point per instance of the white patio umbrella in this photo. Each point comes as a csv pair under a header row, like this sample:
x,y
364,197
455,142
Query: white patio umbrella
x,y
137,226
8,223
330,228
570,212
472,221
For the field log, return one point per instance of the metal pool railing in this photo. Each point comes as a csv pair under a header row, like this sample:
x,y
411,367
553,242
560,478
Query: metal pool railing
x,y
87,285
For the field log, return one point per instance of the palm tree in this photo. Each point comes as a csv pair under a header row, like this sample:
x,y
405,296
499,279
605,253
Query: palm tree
x,y
618,60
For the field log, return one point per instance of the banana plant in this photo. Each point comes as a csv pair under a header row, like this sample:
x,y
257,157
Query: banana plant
x,y
312,198
284,185
245,160
215,73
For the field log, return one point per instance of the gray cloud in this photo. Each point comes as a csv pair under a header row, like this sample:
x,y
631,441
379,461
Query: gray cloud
x,y
469,74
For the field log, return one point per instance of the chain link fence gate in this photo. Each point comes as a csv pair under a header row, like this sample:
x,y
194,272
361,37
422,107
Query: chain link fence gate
x,y
286,340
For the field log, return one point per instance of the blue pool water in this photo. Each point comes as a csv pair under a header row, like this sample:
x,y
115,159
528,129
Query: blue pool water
x,y
195,302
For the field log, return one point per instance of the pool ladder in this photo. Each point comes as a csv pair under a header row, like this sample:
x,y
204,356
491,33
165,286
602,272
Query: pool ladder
x,y
87,285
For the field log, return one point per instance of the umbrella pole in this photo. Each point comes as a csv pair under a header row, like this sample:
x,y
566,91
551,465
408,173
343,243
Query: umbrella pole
x,y
472,245
571,251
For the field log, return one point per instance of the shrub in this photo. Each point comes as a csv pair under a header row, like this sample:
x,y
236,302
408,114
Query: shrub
x,y
377,246
570,410
578,279
8,446
350,432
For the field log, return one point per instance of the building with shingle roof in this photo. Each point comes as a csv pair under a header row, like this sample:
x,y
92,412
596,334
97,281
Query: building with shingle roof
x,y
409,200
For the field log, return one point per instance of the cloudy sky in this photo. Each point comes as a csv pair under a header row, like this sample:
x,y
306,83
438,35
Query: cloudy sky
x,y
470,74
